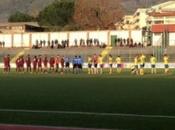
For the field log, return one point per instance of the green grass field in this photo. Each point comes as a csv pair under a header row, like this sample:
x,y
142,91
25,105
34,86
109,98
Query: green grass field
x,y
102,101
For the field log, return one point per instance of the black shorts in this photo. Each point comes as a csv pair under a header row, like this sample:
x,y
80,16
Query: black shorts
x,y
89,65
79,66
119,65
74,66
110,65
166,66
142,65
101,65
95,65
153,66
28,66
67,64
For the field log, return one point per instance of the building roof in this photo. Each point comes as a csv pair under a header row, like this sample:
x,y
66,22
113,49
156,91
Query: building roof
x,y
163,4
162,14
159,28
20,24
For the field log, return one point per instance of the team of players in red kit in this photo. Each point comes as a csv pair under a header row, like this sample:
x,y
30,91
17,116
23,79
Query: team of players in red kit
x,y
35,64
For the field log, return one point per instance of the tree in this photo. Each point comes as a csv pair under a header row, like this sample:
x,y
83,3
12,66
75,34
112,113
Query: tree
x,y
59,13
21,17
97,14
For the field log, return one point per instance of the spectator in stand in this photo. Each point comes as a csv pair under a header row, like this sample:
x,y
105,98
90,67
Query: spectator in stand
x,y
44,43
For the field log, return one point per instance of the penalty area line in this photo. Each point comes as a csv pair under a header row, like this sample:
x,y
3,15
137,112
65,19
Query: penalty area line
x,y
87,113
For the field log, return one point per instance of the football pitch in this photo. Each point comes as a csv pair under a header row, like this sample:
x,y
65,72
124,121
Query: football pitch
x,y
105,101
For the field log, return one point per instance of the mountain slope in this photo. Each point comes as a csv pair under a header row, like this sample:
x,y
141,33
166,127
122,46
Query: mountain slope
x,y
32,7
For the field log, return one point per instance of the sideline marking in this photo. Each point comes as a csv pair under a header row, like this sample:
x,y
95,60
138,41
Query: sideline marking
x,y
88,113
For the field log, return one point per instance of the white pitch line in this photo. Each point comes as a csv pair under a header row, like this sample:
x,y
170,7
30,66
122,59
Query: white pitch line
x,y
50,127
88,113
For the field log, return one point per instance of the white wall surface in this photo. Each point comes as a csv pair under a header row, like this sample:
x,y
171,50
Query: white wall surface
x,y
23,40
157,39
101,35
78,36
172,39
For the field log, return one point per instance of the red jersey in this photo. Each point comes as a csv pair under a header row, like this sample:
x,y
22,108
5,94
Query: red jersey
x,y
62,62
28,61
57,60
22,62
35,62
5,60
51,62
8,61
40,62
17,62
45,61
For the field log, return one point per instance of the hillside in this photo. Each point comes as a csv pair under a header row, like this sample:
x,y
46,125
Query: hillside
x,y
7,7
32,7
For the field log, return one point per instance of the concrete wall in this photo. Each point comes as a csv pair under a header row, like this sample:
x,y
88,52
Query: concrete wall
x,y
102,36
26,40
29,39
172,39
120,34
58,36
137,36
77,36
157,39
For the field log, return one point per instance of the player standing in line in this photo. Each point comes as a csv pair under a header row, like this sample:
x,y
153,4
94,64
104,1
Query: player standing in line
x,y
90,71
57,63
52,62
18,65
8,63
22,62
67,64
45,62
119,64
40,64
74,62
153,61
5,61
166,63
28,64
142,63
95,62
80,64
35,60
110,62
136,63
62,65
100,61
